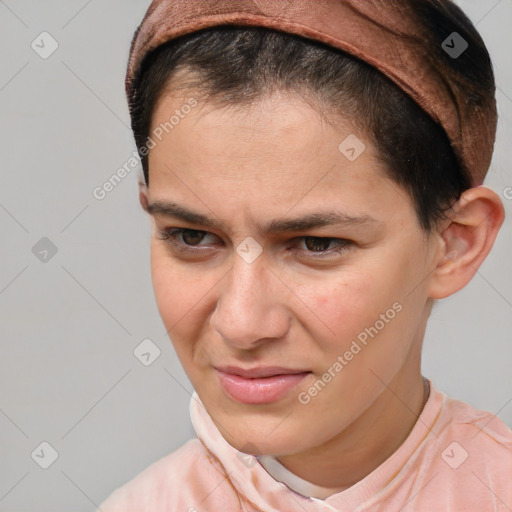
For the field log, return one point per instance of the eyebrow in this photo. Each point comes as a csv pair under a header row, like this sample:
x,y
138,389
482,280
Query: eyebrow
x,y
303,223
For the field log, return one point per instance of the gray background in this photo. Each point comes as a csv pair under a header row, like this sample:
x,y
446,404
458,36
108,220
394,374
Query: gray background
x,y
69,325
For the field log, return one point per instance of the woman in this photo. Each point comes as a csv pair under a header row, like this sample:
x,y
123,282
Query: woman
x,y
313,173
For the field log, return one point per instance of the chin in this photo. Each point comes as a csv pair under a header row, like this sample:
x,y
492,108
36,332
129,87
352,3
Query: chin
x,y
255,445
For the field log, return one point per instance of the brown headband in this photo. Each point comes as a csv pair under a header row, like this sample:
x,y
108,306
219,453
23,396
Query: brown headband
x,y
382,33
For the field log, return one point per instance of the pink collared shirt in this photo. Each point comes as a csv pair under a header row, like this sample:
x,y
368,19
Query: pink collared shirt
x,y
456,458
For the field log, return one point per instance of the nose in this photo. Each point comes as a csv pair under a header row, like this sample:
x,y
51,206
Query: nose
x,y
251,307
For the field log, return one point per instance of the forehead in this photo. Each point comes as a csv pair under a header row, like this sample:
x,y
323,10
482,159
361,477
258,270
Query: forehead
x,y
278,111
276,153
282,127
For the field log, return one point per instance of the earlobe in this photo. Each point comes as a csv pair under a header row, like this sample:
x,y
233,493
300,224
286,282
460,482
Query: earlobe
x,y
143,195
467,240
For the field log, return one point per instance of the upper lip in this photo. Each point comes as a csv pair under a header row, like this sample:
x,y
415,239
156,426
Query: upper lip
x,y
260,371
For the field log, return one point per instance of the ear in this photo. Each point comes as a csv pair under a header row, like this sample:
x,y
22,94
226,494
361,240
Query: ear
x,y
143,195
465,240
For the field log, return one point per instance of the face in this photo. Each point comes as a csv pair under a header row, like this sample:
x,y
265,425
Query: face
x,y
339,302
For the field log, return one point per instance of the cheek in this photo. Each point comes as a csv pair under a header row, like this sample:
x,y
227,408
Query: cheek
x,y
177,293
345,306
185,297
352,308
346,296
181,301
166,285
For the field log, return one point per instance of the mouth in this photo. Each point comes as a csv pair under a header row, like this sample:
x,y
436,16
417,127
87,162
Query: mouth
x,y
259,385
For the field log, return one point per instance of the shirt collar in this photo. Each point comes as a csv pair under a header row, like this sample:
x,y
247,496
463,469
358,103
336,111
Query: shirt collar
x,y
294,482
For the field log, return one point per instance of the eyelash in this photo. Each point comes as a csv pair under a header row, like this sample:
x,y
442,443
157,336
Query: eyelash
x,y
170,236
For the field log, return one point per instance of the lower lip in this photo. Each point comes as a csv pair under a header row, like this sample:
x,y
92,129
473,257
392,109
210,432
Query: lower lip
x,y
259,391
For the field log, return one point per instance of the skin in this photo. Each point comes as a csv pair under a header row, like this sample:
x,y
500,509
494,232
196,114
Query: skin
x,y
280,159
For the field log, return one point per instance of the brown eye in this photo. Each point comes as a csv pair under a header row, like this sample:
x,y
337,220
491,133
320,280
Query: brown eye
x,y
318,247
182,237
192,237
316,244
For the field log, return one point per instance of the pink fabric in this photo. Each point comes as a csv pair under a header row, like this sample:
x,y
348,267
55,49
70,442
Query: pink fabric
x,y
456,458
